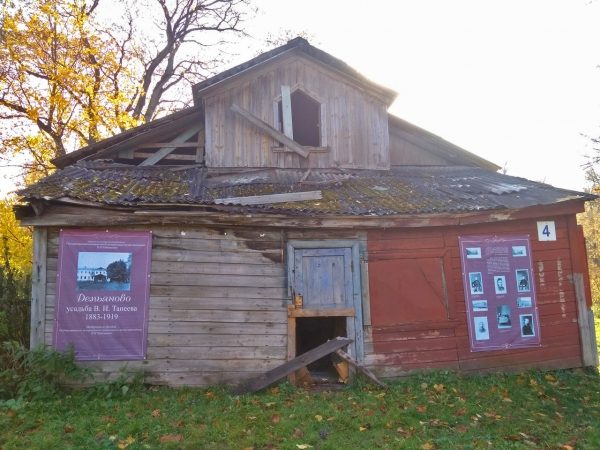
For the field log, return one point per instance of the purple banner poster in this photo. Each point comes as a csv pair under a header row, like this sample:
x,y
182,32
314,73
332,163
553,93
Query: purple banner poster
x,y
499,292
103,284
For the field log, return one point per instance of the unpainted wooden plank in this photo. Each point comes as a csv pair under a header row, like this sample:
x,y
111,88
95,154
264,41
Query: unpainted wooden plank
x,y
218,352
161,153
265,127
190,279
271,198
286,107
291,366
199,315
222,340
337,312
589,346
173,267
219,303
39,287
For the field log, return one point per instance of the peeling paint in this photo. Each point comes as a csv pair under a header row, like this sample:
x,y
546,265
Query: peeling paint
x,y
561,293
541,274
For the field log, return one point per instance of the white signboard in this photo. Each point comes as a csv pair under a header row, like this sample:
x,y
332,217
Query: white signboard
x,y
546,231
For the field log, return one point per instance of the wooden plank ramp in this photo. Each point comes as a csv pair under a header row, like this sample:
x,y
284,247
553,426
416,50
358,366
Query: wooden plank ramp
x,y
291,366
362,369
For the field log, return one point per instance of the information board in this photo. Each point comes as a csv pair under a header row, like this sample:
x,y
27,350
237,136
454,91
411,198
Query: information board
x,y
499,292
103,281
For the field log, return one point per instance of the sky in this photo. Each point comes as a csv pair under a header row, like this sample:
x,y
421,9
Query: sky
x,y
515,81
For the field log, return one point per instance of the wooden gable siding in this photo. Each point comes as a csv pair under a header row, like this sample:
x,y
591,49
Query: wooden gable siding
x,y
218,306
354,122
397,349
406,153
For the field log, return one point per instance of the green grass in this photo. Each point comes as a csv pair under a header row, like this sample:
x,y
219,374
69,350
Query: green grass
x,y
436,411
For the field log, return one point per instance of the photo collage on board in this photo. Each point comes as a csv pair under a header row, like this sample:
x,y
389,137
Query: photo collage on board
x,y
499,292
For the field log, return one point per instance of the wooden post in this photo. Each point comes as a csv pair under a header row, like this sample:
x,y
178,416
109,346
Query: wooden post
x,y
291,341
585,317
38,287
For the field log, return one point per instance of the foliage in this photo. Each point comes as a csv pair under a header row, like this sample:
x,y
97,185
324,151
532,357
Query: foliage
x,y
15,279
125,384
435,411
75,71
117,271
590,219
35,374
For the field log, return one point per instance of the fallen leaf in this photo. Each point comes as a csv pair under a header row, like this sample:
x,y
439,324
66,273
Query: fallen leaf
x,y
209,394
298,433
180,424
567,447
251,417
269,404
424,385
68,428
421,408
274,390
275,418
461,428
361,428
319,418
171,438
124,443
439,387
156,413
303,446
427,446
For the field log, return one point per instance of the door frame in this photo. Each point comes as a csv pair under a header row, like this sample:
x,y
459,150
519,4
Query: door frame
x,y
354,316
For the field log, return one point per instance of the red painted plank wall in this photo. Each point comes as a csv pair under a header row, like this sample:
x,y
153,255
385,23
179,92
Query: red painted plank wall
x,y
403,339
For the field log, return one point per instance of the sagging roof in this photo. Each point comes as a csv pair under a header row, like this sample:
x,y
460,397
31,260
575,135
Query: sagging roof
x,y
300,45
402,191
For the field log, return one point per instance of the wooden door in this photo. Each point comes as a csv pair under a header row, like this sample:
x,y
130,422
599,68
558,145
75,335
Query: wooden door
x,y
328,280
323,277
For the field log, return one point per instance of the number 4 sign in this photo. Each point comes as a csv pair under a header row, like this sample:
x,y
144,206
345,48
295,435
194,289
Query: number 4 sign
x,y
546,231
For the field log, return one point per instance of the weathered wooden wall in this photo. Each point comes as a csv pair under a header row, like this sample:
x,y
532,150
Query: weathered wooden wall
x,y
217,306
354,122
396,349
406,153
218,301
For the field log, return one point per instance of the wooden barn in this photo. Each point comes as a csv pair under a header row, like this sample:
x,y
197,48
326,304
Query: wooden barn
x,y
288,207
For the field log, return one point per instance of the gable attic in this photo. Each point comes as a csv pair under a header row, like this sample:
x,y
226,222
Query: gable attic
x,y
354,129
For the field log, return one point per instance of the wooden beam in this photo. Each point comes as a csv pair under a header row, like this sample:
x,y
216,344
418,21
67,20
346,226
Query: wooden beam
x,y
362,369
38,287
271,198
307,148
161,153
340,312
167,144
275,134
289,367
286,110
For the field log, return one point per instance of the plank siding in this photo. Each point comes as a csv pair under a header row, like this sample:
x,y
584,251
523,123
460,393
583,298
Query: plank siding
x,y
218,306
354,122
400,349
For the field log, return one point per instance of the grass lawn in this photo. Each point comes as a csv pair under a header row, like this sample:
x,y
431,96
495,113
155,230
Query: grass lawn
x,y
441,410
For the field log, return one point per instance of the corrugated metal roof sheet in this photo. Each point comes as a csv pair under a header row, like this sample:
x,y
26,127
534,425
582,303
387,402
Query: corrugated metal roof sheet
x,y
407,190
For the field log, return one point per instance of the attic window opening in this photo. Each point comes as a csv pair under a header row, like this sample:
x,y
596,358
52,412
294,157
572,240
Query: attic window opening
x,y
306,119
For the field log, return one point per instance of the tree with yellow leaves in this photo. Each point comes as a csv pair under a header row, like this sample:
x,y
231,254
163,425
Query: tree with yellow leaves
x,y
75,71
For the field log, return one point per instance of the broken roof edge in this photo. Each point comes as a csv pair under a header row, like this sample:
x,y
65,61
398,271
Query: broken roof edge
x,y
430,142
227,215
114,142
297,44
